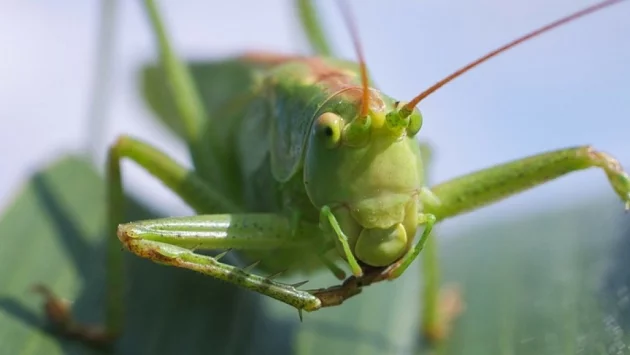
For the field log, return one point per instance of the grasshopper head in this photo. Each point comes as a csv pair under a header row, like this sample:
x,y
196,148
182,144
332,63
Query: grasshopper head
x,y
368,170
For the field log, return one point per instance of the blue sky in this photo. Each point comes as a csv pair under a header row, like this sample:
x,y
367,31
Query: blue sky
x,y
569,87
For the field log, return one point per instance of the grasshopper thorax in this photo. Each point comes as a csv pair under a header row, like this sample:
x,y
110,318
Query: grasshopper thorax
x,y
368,171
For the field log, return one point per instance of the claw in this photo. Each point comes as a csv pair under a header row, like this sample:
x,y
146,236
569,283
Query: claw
x,y
618,178
57,310
59,314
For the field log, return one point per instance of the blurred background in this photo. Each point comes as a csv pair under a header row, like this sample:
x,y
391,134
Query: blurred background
x,y
568,87
534,267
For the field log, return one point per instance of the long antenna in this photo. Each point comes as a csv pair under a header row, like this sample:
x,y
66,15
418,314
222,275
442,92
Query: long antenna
x,y
345,11
412,104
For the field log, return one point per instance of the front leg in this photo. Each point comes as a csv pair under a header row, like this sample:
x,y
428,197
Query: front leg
x,y
336,295
481,188
486,186
172,241
327,218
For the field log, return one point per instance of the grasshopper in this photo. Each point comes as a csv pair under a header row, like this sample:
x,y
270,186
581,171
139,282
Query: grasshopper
x,y
314,166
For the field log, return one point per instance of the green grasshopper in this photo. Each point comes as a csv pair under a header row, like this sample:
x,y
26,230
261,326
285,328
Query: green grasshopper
x,y
312,165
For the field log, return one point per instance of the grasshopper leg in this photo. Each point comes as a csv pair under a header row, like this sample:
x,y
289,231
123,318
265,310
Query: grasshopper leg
x,y
326,216
332,267
398,268
441,305
312,27
183,182
483,187
171,241
486,186
58,311
336,295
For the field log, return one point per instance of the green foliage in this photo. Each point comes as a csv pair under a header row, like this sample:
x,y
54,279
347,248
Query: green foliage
x,y
544,284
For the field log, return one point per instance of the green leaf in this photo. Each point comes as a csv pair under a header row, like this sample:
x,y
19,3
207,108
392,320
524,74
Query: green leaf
x,y
554,283
52,234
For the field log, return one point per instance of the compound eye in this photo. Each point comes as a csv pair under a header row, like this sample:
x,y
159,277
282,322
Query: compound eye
x,y
328,128
415,123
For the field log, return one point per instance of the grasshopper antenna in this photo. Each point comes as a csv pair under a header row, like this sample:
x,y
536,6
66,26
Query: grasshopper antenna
x,y
408,108
354,33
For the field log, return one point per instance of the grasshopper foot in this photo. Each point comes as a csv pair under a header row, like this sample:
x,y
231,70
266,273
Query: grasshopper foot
x,y
59,314
451,305
618,178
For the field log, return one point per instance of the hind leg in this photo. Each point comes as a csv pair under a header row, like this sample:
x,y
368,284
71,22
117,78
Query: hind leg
x,y
180,180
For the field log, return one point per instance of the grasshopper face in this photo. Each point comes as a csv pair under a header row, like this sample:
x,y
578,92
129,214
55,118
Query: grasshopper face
x,y
369,172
